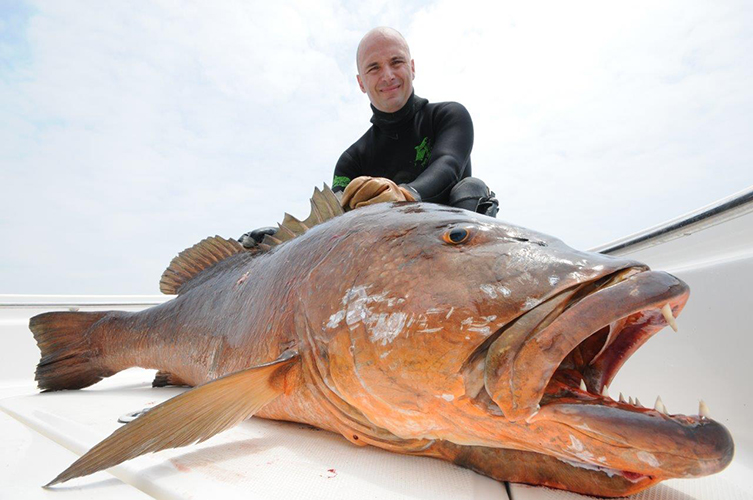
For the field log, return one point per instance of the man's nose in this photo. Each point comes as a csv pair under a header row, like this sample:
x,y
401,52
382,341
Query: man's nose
x,y
388,74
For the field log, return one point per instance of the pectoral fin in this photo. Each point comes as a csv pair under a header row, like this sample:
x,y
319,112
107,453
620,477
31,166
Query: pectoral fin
x,y
194,416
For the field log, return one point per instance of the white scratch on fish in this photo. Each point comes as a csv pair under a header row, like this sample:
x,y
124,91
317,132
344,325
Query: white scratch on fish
x,y
422,321
553,280
448,397
356,292
579,465
531,303
430,330
449,313
577,449
357,314
648,458
575,444
489,290
493,292
387,327
335,319
484,330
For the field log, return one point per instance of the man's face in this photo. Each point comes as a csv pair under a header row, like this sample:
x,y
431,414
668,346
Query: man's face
x,y
386,72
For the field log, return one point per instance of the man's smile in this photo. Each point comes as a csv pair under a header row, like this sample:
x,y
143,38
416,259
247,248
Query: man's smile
x,y
391,88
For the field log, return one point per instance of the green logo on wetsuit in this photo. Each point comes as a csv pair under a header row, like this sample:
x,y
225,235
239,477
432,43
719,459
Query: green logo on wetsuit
x,y
340,181
423,152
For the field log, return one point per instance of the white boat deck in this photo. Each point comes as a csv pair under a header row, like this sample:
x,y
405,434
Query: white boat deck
x,y
709,358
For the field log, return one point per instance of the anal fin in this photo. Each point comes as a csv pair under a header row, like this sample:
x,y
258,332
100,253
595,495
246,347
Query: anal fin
x,y
194,416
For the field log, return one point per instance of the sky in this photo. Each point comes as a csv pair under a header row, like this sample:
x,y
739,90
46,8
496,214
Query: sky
x,y
132,130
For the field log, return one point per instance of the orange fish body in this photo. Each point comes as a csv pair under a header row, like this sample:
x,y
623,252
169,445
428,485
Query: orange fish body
x,y
417,328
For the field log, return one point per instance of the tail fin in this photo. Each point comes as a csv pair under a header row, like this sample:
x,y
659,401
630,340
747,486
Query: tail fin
x,y
66,353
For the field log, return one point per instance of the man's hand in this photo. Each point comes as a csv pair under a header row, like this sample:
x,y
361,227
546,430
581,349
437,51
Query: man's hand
x,y
367,190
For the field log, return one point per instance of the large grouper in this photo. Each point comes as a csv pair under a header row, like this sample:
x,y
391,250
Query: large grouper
x,y
416,328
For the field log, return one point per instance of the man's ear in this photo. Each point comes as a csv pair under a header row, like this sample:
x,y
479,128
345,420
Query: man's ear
x,y
360,84
412,69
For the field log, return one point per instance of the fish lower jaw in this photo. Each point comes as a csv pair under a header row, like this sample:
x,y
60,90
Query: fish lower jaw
x,y
568,386
627,436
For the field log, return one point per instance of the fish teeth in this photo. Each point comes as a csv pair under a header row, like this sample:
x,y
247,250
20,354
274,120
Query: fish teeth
x,y
605,391
583,386
667,312
638,402
703,410
659,406
631,401
622,398
530,417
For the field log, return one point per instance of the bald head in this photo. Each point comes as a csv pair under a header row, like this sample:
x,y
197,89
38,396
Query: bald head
x,y
380,35
385,69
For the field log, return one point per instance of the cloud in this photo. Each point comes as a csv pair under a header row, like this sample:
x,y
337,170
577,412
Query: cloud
x,y
595,120
129,134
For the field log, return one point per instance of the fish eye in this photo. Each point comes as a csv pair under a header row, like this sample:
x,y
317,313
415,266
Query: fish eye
x,y
456,236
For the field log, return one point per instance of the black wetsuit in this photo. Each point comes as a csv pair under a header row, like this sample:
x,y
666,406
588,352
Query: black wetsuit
x,y
424,146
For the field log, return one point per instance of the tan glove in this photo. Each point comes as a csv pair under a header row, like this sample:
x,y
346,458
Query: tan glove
x,y
367,190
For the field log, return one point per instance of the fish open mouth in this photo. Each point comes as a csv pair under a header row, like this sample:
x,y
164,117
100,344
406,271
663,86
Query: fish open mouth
x,y
589,368
578,340
555,363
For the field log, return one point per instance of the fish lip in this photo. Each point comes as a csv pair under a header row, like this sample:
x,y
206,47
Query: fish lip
x,y
632,293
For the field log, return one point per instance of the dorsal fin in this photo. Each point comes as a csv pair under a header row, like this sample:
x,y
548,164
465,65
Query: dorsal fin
x,y
191,261
324,206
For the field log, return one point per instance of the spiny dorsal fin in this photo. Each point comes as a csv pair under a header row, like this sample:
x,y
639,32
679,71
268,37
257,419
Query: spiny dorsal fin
x,y
324,206
191,261
194,416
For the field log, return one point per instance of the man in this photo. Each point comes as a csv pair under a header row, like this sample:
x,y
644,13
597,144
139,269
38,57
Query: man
x,y
414,151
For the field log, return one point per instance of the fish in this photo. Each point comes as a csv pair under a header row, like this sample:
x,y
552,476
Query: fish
x,y
416,328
